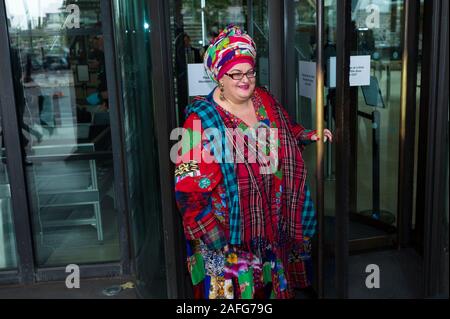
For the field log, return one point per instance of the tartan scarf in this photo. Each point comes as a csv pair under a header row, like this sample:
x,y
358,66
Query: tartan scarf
x,y
210,118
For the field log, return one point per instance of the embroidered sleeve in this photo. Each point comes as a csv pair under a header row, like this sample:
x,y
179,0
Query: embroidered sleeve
x,y
195,181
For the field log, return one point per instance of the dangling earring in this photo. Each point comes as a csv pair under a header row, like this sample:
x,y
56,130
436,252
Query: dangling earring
x,y
222,97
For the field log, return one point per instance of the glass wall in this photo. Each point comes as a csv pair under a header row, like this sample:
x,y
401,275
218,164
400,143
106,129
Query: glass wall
x,y
378,35
8,256
376,39
62,103
132,33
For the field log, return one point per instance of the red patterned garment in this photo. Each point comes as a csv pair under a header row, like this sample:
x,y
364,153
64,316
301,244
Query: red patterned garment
x,y
271,266
199,192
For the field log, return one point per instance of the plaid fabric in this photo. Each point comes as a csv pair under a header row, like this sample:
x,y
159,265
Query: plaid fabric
x,y
304,136
309,221
294,171
211,119
260,219
215,238
258,223
300,265
197,219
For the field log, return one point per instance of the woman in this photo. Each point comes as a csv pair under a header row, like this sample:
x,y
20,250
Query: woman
x,y
248,230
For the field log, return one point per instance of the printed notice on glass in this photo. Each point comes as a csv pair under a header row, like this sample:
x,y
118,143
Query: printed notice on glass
x,y
359,71
199,81
307,81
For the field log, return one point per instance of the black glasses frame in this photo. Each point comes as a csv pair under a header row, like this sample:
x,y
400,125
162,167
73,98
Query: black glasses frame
x,y
250,74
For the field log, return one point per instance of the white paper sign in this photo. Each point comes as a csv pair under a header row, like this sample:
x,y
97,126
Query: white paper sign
x,y
199,81
359,71
307,81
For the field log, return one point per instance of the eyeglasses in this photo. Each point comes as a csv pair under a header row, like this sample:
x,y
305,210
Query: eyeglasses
x,y
239,75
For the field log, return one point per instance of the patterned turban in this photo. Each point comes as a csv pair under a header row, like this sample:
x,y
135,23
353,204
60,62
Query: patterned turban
x,y
230,47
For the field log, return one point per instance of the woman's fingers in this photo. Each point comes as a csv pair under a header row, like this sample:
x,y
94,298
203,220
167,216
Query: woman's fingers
x,y
327,135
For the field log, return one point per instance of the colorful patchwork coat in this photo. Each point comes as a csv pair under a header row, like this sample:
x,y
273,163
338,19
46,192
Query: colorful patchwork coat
x,y
248,234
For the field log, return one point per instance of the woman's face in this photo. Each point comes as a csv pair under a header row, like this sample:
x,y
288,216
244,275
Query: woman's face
x,y
239,90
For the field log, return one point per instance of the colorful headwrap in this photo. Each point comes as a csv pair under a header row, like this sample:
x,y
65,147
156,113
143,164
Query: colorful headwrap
x,y
230,47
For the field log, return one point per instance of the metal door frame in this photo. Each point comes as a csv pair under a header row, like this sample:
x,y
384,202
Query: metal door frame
x,y
165,113
433,161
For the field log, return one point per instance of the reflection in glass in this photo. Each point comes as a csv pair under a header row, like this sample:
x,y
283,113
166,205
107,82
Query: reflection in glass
x,y
62,102
8,257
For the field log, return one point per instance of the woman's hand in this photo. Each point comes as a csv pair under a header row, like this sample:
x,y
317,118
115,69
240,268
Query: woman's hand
x,y
327,135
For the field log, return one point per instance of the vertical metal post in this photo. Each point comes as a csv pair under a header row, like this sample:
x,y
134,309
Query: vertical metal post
x,y
250,18
15,156
203,4
320,144
342,140
424,111
117,137
376,135
275,11
407,120
164,98
290,64
329,157
436,163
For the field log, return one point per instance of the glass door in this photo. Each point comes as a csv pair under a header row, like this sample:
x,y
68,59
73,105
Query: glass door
x,y
61,95
376,125
385,115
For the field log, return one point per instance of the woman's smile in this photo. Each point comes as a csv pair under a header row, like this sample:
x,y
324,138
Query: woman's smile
x,y
244,87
